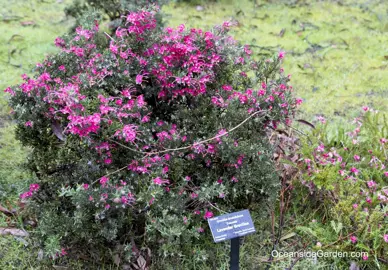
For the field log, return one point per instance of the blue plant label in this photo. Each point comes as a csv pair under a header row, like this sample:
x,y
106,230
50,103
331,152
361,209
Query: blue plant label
x,y
231,225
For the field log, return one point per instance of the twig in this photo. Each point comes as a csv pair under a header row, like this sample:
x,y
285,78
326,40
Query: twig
x,y
6,212
109,36
116,171
215,207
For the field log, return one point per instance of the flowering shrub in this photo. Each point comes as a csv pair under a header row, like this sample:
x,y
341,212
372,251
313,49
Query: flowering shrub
x,y
348,175
137,141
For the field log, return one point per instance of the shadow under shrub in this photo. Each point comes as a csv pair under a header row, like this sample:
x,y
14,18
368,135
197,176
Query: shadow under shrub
x,y
139,138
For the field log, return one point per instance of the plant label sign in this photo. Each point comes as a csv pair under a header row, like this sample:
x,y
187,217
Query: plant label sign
x,y
231,225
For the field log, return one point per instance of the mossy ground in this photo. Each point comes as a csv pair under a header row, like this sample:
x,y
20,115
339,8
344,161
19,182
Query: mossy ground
x,y
28,29
337,53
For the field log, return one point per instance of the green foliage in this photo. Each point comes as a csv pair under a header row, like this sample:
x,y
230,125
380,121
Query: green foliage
x,y
14,254
348,198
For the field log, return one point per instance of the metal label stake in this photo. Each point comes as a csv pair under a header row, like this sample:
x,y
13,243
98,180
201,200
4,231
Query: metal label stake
x,y
232,226
235,253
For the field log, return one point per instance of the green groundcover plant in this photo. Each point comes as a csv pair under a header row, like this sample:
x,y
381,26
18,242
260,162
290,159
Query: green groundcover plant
x,y
347,178
139,137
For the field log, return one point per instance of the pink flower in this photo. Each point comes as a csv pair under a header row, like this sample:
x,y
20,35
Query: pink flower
x,y
227,88
200,230
113,48
219,181
151,201
353,239
29,124
140,101
365,108
386,174
90,198
26,195
107,161
194,195
371,184
281,55
62,68
208,214
355,206
139,79
34,187
107,206
145,119
299,101
356,157
320,148
59,42
63,252
165,169
78,51
104,180
234,179
159,181
128,132
354,170
365,257
187,178
9,91
385,238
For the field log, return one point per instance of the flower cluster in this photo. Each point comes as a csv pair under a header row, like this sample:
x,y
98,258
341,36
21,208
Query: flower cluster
x,y
33,189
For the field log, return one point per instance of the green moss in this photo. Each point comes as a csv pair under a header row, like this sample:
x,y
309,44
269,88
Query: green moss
x,y
28,29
